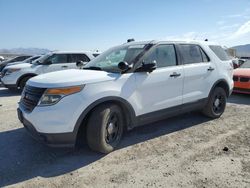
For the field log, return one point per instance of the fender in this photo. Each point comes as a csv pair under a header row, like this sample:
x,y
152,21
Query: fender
x,y
223,83
126,107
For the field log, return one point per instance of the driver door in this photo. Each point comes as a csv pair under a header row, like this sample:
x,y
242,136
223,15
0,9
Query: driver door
x,y
161,89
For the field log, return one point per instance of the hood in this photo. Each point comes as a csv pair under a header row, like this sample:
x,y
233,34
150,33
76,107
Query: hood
x,y
19,66
15,63
242,72
71,77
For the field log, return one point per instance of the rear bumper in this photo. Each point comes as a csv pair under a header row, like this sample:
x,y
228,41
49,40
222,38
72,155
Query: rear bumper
x,y
52,140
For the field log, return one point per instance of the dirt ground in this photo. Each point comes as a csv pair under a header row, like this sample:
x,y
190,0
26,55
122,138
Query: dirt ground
x,y
186,151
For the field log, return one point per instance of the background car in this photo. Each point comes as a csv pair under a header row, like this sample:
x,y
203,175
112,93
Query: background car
x,y
15,76
1,58
29,60
15,59
242,78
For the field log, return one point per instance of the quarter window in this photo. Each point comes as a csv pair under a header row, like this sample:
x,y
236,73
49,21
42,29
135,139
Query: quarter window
x,y
220,52
164,56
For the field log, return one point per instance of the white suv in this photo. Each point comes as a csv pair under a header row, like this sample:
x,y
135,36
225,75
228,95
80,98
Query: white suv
x,y
126,86
15,76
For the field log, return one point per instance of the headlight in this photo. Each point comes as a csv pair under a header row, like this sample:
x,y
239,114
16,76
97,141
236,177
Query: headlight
x,y
52,96
9,71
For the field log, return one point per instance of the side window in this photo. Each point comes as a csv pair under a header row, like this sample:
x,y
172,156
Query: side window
x,y
79,57
190,53
164,55
21,58
83,57
58,58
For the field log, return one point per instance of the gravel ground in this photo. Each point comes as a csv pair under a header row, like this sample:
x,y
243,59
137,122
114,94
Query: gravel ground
x,y
186,151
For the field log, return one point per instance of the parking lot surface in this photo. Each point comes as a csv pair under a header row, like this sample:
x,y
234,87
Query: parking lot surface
x,y
185,151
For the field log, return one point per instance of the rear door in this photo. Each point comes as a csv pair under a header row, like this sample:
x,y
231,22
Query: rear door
x,y
198,71
162,88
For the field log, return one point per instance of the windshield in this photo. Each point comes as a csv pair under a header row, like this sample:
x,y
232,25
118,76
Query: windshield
x,y
29,60
109,60
246,64
41,59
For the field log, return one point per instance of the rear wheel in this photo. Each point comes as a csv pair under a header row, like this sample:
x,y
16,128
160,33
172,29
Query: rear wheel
x,y
216,103
105,128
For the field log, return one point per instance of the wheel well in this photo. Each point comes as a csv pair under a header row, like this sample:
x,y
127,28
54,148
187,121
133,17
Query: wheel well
x,y
223,85
81,132
24,76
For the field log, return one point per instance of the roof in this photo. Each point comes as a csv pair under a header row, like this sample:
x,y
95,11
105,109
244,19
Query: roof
x,y
172,41
74,52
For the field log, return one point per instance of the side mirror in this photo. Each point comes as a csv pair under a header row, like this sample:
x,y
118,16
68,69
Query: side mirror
x,y
147,67
80,64
124,66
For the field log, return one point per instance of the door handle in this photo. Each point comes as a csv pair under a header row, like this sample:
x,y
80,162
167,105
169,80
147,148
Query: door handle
x,y
210,69
175,74
64,66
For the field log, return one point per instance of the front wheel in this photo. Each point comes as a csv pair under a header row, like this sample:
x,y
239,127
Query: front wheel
x,y
23,82
216,103
105,128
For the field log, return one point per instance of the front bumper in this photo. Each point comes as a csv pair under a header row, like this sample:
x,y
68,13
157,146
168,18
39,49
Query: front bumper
x,y
9,86
53,140
9,81
241,90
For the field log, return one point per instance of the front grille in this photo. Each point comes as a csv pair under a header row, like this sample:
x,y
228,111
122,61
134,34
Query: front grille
x,y
244,79
30,97
235,78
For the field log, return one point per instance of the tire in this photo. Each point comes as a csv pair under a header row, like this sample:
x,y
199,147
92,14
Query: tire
x,y
23,82
216,103
105,128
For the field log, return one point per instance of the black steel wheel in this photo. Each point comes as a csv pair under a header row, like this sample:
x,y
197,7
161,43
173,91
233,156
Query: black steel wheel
x,y
216,103
105,128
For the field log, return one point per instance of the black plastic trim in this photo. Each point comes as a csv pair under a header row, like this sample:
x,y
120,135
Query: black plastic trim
x,y
228,92
170,112
130,117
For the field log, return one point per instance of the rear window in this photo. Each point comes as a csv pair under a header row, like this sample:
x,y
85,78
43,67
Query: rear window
x,y
219,52
191,53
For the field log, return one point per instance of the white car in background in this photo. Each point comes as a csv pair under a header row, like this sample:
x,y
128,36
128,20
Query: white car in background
x,y
29,60
15,76
1,58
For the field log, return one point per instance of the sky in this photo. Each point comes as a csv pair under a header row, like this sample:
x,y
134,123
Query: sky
x,y
101,24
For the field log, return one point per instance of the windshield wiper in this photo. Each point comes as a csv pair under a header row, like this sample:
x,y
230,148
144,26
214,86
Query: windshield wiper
x,y
92,68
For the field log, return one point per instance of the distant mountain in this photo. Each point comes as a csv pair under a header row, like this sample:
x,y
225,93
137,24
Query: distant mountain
x,y
242,50
28,51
